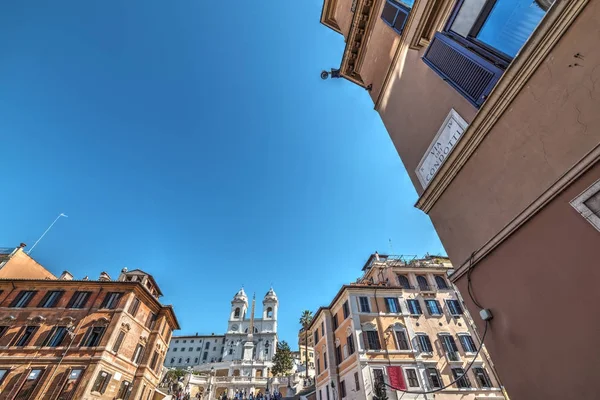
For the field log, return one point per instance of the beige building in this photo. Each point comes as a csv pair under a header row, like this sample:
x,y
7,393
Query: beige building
x,y
493,106
68,339
403,324
304,339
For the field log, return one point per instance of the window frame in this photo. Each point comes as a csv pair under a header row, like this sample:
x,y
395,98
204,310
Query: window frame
x,y
493,55
101,382
48,297
578,203
53,334
119,341
410,380
428,372
437,279
423,341
396,304
449,346
346,309
22,332
467,337
86,340
74,299
399,8
372,340
401,331
20,296
438,306
463,382
401,283
356,381
111,301
455,303
342,389
488,382
138,356
417,306
134,308
366,304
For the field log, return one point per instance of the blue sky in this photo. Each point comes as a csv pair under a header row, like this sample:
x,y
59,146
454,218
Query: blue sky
x,y
195,140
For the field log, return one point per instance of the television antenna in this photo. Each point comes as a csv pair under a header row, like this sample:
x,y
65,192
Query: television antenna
x,y
46,231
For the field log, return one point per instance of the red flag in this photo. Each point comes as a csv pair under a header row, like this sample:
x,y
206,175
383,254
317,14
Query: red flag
x,y
396,378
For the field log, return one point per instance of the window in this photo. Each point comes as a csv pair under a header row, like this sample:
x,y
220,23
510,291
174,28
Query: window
x,y
372,342
325,360
323,328
316,336
364,304
27,334
481,38
414,308
403,282
55,336
51,298
411,376
350,342
378,376
320,395
205,356
395,13
177,341
236,313
79,300
356,382
269,312
207,346
102,382
3,375
93,336
23,298
346,309
138,354
433,307
393,305
402,340
327,390
422,281
70,384
111,300
450,347
180,360
123,390
150,321
135,305
466,341
482,377
198,348
342,389
433,376
463,382
424,343
29,385
338,355
191,349
3,330
172,360
154,360
175,349
119,340
183,349
230,351
454,307
441,282
318,364
196,360
335,322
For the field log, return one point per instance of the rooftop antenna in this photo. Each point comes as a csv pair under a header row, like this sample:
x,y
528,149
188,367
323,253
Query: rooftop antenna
x,y
46,231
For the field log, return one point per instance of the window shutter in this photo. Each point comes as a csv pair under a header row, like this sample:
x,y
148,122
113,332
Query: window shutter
x,y
418,307
105,383
469,73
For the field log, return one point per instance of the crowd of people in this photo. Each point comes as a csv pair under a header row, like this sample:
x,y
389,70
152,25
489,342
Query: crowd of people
x,y
244,395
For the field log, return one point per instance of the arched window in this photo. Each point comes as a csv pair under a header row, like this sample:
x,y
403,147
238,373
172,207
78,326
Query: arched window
x,y
441,282
236,313
269,312
172,360
207,346
423,285
403,282
371,337
180,360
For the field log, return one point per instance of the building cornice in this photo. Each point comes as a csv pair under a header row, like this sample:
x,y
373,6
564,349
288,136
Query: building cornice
x,y
361,27
589,160
558,19
327,15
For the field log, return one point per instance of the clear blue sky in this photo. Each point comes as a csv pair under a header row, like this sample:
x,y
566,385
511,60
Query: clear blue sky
x,y
196,141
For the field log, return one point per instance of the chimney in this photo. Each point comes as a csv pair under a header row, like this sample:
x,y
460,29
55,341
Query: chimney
x,y
104,276
66,276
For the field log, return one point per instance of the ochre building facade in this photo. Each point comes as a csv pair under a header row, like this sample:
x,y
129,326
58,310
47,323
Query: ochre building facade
x,y
62,338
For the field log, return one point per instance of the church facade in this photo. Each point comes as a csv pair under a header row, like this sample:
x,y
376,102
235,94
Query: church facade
x,y
247,351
